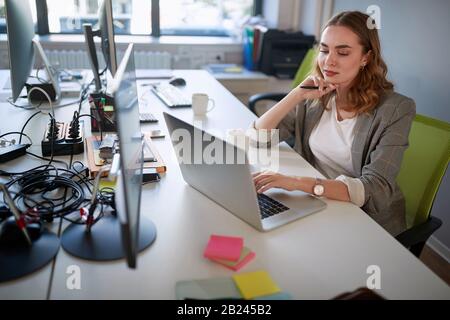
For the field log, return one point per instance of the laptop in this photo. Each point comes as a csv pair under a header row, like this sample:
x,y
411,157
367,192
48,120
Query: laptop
x,y
230,183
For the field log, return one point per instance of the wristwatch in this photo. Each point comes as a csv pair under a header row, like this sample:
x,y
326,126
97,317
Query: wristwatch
x,y
318,189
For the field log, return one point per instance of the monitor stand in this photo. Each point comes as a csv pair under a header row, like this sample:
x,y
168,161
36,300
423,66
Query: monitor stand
x,y
104,241
109,238
18,260
52,88
24,249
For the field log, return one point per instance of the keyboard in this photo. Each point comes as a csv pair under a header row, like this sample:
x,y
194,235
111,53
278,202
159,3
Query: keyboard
x,y
171,95
147,118
270,207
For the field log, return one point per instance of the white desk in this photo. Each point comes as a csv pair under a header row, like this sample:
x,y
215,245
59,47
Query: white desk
x,y
244,84
317,257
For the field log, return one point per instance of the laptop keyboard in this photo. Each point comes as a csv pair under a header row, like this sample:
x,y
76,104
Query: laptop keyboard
x,y
269,207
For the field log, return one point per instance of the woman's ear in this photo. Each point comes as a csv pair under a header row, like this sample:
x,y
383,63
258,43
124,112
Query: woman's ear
x,y
366,58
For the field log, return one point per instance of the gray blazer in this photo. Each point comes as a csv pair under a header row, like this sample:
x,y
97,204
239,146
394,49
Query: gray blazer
x,y
381,138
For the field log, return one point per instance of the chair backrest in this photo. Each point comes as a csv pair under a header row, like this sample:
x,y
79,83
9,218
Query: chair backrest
x,y
423,166
305,67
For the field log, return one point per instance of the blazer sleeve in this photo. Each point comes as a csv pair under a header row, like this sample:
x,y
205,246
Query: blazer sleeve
x,y
291,125
380,173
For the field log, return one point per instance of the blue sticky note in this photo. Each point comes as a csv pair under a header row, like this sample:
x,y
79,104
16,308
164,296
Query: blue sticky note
x,y
207,289
275,296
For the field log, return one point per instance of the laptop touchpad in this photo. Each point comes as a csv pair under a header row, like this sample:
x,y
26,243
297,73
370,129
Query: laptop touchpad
x,y
294,199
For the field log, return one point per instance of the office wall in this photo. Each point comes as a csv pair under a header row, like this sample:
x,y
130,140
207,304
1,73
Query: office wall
x,y
282,14
414,36
270,12
307,23
441,240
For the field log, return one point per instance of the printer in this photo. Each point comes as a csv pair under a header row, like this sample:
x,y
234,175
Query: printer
x,y
282,52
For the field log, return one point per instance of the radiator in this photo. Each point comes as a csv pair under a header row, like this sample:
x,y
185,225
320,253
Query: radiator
x,y
78,59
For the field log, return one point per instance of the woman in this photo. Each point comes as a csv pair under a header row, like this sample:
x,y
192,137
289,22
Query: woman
x,y
354,128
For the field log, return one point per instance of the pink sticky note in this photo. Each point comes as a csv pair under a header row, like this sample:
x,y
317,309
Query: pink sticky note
x,y
223,247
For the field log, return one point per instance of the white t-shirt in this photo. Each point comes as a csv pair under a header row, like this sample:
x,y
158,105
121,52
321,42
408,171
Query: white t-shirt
x,y
331,144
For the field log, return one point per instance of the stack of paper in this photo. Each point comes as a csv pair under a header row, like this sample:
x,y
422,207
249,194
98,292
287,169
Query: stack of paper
x,y
252,285
228,251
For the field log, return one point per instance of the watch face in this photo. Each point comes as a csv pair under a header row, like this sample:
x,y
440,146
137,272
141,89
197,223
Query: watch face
x,y
319,190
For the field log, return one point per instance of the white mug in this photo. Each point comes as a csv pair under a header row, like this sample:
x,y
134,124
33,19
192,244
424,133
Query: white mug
x,y
202,104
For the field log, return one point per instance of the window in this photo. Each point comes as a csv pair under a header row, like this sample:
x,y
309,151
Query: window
x,y
169,17
130,16
203,17
3,14
2,17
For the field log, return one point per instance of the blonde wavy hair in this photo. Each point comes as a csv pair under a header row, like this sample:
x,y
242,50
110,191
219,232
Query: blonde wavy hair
x,y
371,83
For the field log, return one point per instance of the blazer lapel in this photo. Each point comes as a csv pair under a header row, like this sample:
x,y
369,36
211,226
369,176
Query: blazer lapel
x,y
362,129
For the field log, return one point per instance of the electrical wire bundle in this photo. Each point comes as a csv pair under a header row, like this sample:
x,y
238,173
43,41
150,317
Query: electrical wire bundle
x,y
46,192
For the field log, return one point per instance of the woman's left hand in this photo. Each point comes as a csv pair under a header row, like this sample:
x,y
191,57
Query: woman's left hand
x,y
268,180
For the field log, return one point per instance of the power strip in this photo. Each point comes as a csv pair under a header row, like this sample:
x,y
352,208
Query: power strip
x,y
12,152
64,143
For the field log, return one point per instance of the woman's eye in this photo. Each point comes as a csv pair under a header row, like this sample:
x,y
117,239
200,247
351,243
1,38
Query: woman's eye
x,y
323,51
343,53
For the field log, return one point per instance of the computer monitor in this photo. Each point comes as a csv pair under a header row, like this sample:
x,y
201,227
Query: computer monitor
x,y
106,21
22,48
129,185
112,237
20,28
106,33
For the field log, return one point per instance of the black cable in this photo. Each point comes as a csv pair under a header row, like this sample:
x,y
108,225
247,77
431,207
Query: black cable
x,y
99,127
9,174
18,133
36,186
80,163
42,183
84,95
26,123
39,176
85,179
103,71
46,159
52,134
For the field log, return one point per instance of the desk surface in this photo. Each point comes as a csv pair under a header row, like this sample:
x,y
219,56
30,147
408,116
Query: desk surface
x,y
317,257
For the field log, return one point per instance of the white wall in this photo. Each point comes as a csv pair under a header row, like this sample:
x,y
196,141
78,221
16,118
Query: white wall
x,y
415,42
270,12
282,14
308,16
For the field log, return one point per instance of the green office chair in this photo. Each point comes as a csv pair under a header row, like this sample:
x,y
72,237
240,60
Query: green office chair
x,y
423,167
303,71
305,67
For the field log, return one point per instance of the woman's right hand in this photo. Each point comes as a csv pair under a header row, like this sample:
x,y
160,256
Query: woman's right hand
x,y
324,88
272,118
